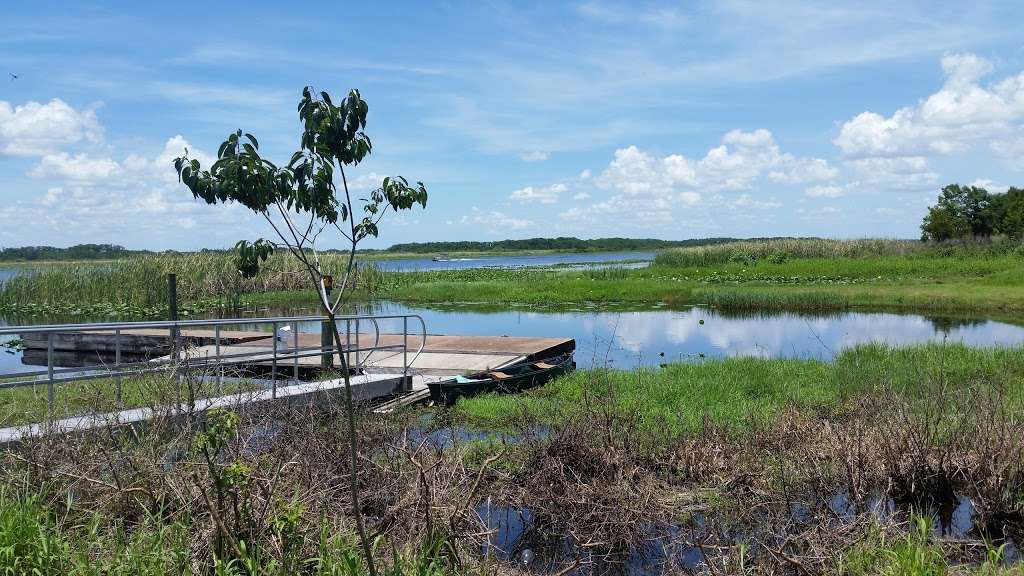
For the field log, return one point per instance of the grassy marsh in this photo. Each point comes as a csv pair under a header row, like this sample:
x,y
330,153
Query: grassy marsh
x,y
743,393
773,274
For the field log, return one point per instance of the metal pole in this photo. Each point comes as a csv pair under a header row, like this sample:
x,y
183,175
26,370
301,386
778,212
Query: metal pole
x,y
348,344
220,366
172,309
406,385
49,375
295,349
326,343
327,329
117,365
358,354
172,305
273,364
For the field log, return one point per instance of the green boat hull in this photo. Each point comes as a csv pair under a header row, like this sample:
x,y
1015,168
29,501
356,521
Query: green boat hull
x,y
518,378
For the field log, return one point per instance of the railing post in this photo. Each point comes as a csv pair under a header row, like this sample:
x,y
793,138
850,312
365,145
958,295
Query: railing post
x,y
326,343
172,312
348,344
358,353
327,328
273,364
117,365
406,384
49,376
295,350
172,305
220,365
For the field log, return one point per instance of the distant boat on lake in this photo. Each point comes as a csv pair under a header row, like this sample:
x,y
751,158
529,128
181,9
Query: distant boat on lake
x,y
441,258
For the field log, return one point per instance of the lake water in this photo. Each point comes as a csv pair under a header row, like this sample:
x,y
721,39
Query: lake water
x,y
632,338
627,339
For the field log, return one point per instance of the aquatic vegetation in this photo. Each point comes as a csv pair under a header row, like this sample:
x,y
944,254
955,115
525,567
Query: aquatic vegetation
x,y
778,251
740,393
137,286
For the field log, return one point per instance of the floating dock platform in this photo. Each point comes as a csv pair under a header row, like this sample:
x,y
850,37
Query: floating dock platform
x,y
383,378
441,356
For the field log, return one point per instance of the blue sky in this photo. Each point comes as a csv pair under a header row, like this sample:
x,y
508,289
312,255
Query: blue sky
x,y
669,120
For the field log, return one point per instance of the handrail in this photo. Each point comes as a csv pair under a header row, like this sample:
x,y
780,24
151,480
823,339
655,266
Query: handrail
x,y
105,326
52,375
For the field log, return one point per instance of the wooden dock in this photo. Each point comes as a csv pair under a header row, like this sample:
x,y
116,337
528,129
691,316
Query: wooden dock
x,y
441,355
380,380
92,347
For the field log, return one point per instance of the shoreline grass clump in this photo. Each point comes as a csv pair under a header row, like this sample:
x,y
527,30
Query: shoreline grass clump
x,y
737,393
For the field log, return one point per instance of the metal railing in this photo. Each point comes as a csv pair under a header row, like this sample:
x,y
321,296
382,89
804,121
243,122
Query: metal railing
x,y
179,356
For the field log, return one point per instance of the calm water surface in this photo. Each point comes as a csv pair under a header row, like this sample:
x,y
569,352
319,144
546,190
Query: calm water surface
x,y
629,339
626,339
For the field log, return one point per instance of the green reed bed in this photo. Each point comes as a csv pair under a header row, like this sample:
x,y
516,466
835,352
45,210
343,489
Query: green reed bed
x,y
38,536
738,393
781,250
137,286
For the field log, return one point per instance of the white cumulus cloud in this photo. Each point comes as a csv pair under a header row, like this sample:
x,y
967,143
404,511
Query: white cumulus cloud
x,y
35,129
738,163
961,113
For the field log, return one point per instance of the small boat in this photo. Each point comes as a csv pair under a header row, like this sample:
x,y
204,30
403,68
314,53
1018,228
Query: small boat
x,y
507,380
441,258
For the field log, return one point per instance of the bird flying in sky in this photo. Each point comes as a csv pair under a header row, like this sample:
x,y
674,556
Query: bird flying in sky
x,y
13,75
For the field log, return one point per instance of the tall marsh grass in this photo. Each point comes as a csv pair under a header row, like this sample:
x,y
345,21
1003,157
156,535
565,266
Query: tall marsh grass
x,y
37,538
780,250
141,282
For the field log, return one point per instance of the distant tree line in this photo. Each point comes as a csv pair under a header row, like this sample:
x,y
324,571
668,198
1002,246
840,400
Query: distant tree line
x,y
77,252
568,244
970,211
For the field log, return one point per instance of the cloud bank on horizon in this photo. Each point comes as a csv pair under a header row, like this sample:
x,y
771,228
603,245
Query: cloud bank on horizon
x,y
595,119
